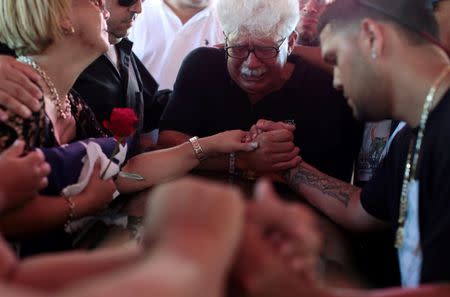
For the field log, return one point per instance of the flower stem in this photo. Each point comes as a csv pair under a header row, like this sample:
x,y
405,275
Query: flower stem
x,y
115,151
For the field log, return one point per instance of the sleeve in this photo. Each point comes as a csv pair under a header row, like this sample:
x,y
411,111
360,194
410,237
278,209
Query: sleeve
x,y
184,112
380,196
374,194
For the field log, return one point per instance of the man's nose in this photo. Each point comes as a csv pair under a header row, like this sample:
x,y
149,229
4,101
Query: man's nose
x,y
252,60
310,6
136,7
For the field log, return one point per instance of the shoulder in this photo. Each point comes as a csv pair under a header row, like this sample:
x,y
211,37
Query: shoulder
x,y
442,109
206,55
438,125
204,60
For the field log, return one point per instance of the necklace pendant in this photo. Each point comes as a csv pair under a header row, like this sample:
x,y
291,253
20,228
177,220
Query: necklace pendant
x,y
399,237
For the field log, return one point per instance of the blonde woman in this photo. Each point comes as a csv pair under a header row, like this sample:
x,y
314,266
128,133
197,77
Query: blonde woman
x,y
59,39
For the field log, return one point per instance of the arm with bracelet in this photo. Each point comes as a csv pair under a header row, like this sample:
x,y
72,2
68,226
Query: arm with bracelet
x,y
167,164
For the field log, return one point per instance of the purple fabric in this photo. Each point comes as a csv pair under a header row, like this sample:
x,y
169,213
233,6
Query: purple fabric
x,y
66,163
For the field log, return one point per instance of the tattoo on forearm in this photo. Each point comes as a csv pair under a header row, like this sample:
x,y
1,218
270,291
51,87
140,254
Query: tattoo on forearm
x,y
326,184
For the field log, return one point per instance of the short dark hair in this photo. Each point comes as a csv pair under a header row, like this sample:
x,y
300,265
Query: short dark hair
x,y
412,17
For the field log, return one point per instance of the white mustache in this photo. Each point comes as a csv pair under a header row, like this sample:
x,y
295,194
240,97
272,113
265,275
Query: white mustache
x,y
252,72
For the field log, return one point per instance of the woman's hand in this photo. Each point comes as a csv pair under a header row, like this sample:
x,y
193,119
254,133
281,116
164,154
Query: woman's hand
x,y
227,142
19,93
23,176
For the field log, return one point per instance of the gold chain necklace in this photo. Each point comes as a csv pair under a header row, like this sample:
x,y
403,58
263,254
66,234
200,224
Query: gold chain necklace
x,y
413,157
62,106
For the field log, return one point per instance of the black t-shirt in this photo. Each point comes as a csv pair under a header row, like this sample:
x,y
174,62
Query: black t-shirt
x,y
206,101
381,196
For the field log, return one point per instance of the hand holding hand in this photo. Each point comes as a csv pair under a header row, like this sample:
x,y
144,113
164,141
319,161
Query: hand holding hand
x,y
276,152
263,125
227,142
19,93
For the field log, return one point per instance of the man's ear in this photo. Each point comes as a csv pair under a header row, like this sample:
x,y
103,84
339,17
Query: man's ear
x,y
292,41
371,38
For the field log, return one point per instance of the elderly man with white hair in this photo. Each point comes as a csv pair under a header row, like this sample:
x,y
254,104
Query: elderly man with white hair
x,y
254,77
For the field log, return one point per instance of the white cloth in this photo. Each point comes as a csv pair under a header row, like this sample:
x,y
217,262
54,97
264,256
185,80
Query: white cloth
x,y
93,153
410,253
161,41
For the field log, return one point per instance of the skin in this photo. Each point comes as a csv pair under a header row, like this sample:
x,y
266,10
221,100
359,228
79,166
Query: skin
x,y
186,9
258,77
310,12
121,19
442,14
181,256
26,175
350,69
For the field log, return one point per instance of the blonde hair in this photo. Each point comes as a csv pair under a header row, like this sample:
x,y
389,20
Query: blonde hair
x,y
30,26
258,18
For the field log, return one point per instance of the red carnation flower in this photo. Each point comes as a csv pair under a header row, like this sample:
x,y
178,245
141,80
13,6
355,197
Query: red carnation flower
x,y
122,122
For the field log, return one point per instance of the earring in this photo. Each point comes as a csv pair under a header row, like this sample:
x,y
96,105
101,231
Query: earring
x,y
373,53
69,31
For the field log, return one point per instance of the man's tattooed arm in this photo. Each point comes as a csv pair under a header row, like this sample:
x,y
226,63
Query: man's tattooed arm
x,y
304,176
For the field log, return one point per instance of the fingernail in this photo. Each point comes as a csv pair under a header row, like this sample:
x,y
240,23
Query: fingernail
x,y
26,112
36,107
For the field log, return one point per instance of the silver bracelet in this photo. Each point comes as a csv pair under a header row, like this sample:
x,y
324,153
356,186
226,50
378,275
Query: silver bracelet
x,y
198,151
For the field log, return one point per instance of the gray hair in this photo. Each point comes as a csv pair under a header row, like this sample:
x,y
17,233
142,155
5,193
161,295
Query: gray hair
x,y
258,18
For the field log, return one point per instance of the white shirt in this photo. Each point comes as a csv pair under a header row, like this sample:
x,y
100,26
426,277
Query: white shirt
x,y
161,41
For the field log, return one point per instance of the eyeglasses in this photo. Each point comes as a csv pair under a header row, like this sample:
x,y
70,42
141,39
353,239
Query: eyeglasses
x,y
128,3
261,52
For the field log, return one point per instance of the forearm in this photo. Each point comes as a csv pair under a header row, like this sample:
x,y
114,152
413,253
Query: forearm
x,y
40,214
337,199
44,213
13,291
174,138
158,166
53,272
164,274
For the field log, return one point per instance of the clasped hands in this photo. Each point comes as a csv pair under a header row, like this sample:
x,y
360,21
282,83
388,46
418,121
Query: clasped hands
x,y
276,151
